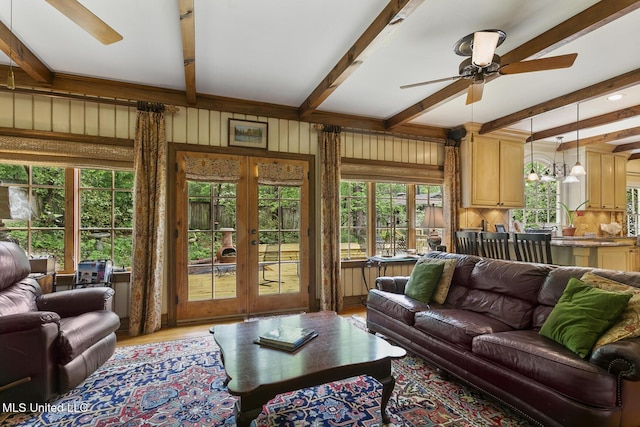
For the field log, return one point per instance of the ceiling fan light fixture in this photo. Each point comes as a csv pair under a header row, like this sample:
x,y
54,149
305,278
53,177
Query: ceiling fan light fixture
x,y
484,47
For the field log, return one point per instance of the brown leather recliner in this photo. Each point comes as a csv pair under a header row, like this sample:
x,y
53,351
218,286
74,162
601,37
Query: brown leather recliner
x,y
49,343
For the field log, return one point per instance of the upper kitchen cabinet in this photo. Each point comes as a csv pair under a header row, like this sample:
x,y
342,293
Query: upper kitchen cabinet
x,y
606,181
492,172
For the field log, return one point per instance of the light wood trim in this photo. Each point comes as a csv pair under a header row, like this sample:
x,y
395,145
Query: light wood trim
x,y
600,120
23,57
380,29
187,29
583,23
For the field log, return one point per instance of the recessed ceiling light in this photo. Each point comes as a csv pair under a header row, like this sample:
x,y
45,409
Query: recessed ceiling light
x,y
616,97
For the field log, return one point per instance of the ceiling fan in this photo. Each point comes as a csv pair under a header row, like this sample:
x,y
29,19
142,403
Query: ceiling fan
x,y
483,62
82,16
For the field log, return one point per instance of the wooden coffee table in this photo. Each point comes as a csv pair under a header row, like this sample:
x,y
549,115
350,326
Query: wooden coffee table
x,y
256,374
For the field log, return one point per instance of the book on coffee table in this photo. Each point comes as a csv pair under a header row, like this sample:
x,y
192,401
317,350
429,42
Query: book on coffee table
x,y
286,337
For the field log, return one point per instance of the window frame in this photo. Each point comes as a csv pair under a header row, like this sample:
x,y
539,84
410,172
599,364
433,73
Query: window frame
x,y
72,225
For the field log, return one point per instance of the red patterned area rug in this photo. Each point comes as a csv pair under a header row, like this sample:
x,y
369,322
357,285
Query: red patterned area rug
x,y
181,383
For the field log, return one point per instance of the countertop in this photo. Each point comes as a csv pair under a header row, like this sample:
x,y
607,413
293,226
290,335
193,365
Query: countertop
x,y
589,242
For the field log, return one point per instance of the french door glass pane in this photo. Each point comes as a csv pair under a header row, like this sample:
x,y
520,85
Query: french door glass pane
x,y
211,236
279,238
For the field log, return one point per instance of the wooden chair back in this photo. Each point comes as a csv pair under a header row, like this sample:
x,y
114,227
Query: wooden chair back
x,y
533,247
494,245
466,242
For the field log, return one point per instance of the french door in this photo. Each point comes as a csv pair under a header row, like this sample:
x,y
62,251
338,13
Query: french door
x,y
243,242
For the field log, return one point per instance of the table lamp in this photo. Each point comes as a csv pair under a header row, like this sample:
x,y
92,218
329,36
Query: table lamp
x,y
433,220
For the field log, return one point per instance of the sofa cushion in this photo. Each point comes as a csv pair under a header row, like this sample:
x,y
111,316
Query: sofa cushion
x,y
628,324
505,290
541,359
582,314
81,332
461,274
424,280
457,327
397,306
442,290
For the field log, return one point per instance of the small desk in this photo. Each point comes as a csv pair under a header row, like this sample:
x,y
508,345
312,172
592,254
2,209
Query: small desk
x,y
382,262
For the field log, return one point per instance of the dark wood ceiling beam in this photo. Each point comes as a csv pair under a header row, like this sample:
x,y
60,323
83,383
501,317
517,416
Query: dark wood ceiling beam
x,y
602,139
583,23
627,147
13,47
382,27
634,156
603,119
89,87
599,89
188,31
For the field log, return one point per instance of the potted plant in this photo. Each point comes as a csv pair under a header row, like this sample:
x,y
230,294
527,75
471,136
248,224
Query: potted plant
x,y
569,229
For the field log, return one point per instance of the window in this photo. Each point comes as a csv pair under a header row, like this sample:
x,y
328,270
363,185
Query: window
x,y
37,204
106,215
633,210
397,214
541,201
39,196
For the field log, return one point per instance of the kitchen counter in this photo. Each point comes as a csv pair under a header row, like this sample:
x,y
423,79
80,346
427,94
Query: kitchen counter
x,y
615,253
590,242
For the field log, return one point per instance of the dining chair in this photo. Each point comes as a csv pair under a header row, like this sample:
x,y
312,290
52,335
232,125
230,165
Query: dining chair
x,y
494,245
533,247
466,242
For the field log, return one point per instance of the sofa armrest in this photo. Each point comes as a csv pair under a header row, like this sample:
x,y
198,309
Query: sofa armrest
x,y
77,301
620,358
25,321
393,284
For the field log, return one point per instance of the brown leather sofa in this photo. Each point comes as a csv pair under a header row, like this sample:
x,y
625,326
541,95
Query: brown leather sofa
x,y
49,343
486,334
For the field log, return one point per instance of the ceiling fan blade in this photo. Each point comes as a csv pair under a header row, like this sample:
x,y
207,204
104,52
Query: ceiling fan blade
x,y
446,79
542,64
474,93
84,18
484,47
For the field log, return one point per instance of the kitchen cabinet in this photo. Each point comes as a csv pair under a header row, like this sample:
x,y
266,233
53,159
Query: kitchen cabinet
x,y
492,173
615,258
606,181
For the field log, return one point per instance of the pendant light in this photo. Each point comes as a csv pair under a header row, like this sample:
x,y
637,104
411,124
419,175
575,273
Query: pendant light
x,y
533,176
577,169
568,179
11,80
551,177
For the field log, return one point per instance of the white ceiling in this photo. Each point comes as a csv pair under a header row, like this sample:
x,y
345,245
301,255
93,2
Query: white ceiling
x,y
278,51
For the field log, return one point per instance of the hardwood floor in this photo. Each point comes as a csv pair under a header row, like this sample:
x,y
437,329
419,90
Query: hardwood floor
x,y
198,330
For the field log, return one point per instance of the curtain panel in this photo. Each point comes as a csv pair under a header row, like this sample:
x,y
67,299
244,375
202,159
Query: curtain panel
x,y
147,272
331,288
452,195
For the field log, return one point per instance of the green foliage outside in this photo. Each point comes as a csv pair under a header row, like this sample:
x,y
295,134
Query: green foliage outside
x,y
106,212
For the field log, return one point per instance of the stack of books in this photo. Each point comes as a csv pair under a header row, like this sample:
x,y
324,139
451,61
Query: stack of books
x,y
287,338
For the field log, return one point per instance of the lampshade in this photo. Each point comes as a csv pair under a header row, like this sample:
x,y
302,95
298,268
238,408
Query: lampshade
x,y
433,217
570,179
578,170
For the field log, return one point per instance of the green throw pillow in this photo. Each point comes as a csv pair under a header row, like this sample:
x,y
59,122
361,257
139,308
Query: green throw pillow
x,y
582,314
423,281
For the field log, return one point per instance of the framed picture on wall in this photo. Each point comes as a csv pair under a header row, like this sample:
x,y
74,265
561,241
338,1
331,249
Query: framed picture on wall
x,y
247,133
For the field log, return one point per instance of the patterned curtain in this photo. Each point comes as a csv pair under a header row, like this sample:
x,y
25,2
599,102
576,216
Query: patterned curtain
x,y
147,271
451,191
329,142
